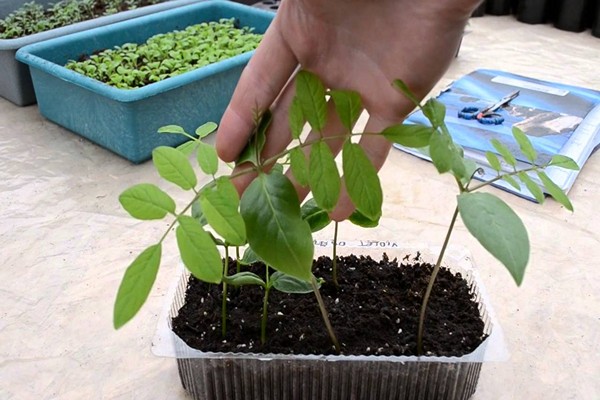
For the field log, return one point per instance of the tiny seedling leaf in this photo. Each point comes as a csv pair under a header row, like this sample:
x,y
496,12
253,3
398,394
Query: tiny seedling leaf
x,y
188,148
493,160
207,158
348,106
173,129
435,111
324,177
362,182
511,181
274,226
289,284
299,166
174,167
533,187
220,203
403,87
359,219
206,129
498,228
310,93
316,217
524,144
561,161
504,152
146,201
251,152
249,257
555,191
136,285
244,278
441,151
198,214
409,135
297,119
198,250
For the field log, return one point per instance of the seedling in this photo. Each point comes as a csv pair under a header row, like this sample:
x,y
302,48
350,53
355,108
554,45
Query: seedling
x,y
269,220
168,54
32,18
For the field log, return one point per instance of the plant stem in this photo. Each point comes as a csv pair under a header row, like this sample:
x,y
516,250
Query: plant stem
x,y
434,273
237,259
334,259
224,295
325,314
263,322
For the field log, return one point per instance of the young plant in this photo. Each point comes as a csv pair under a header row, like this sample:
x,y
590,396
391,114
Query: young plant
x,y
167,54
269,220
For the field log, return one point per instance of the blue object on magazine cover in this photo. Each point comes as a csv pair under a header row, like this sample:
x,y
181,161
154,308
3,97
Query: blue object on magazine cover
x,y
557,118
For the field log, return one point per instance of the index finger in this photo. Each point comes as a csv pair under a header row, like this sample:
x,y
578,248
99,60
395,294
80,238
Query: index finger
x,y
262,80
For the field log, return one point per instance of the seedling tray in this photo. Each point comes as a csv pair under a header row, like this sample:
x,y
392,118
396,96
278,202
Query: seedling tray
x,y
212,376
15,81
126,121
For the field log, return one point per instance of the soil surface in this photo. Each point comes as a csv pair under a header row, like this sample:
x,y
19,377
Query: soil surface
x,y
374,311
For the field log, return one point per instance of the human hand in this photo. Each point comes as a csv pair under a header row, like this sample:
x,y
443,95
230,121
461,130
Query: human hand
x,y
360,45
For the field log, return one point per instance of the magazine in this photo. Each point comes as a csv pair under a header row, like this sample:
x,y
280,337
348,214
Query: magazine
x,y
557,118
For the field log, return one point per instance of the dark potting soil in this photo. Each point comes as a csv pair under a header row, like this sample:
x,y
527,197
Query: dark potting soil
x,y
374,311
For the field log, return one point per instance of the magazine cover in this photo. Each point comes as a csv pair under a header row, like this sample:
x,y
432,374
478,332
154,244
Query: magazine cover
x,y
557,118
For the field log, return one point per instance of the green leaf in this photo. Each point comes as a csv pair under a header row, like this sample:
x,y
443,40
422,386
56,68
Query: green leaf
x,y
198,251
504,152
555,191
499,230
198,214
362,182
251,152
316,217
146,201
470,168
524,144
174,166
406,91
136,285
274,226
249,257
564,162
297,119
207,158
220,203
289,284
441,151
243,279
206,129
493,161
409,135
359,219
188,147
323,176
173,129
348,106
533,187
511,181
435,111
299,166
310,93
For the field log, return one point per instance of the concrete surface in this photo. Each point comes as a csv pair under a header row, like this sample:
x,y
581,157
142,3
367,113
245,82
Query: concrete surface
x,y
65,243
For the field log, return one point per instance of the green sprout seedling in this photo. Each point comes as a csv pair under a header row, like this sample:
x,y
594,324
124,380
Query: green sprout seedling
x,y
167,54
32,18
271,224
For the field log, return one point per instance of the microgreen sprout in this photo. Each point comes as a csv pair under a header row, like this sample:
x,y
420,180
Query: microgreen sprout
x,y
169,54
33,18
